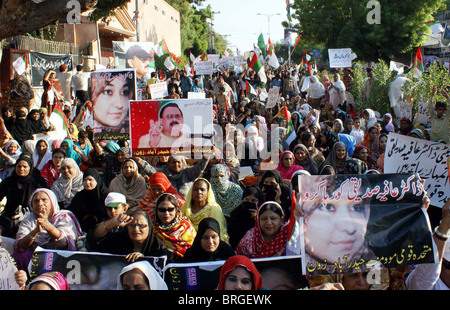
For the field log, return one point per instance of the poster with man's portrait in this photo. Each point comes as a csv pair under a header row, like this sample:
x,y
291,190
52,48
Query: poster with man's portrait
x,y
171,127
359,223
138,55
111,92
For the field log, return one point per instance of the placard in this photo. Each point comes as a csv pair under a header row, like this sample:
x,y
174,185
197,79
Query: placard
x,y
406,154
171,127
340,58
361,223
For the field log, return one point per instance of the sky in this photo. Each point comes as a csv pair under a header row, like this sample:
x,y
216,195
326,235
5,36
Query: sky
x,y
239,23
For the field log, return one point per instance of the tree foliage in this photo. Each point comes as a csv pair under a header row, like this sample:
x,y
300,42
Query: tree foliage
x,y
344,23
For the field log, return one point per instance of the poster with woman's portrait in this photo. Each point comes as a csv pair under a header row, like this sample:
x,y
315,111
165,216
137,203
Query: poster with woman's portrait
x,y
171,127
111,92
359,223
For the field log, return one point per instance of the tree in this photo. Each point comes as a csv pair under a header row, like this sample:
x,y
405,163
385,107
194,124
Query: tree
x,y
26,16
349,23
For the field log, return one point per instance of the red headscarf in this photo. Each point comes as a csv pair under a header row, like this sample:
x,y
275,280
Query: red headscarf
x,y
241,261
158,179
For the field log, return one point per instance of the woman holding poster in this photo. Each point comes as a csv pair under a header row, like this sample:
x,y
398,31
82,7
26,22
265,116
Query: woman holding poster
x,y
110,94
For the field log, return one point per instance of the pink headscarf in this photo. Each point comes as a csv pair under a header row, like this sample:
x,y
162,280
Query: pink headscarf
x,y
286,173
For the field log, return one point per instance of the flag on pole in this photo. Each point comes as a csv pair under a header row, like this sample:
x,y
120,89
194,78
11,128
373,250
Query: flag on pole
x,y
297,40
417,64
168,62
58,119
161,48
256,65
192,57
273,60
262,45
175,58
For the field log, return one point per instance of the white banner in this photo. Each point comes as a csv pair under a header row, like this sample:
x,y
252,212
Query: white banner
x,y
340,58
204,68
159,90
429,159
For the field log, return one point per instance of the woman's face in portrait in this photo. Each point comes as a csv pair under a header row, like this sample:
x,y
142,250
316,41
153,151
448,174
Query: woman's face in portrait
x,y
111,106
337,227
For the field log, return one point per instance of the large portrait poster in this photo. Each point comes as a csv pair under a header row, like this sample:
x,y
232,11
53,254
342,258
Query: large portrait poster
x,y
278,273
86,270
406,154
111,92
360,223
171,127
137,55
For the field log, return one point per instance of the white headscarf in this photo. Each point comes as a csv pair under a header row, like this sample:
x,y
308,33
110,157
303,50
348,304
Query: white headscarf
x,y
315,89
155,281
45,159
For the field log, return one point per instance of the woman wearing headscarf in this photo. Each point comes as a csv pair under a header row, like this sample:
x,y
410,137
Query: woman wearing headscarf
x,y
88,205
52,169
316,91
274,189
201,203
113,159
42,154
387,124
339,160
136,240
326,142
363,153
21,129
9,155
370,118
239,273
336,91
129,183
37,126
270,234
228,194
242,219
140,276
287,165
68,147
175,230
208,245
157,184
69,182
53,280
17,189
326,84
303,158
46,226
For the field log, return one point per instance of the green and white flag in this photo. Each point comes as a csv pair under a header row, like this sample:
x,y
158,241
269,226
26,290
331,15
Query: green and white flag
x,y
256,65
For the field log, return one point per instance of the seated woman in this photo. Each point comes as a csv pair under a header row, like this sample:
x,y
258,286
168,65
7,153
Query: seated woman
x,y
42,154
239,273
136,241
304,159
208,244
227,193
46,226
17,189
140,276
200,204
9,154
274,189
171,227
53,280
72,151
270,235
51,170
362,153
287,165
88,205
157,184
69,182
309,140
342,163
129,182
242,218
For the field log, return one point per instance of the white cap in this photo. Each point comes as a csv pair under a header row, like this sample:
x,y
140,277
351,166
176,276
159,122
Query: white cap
x,y
114,199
